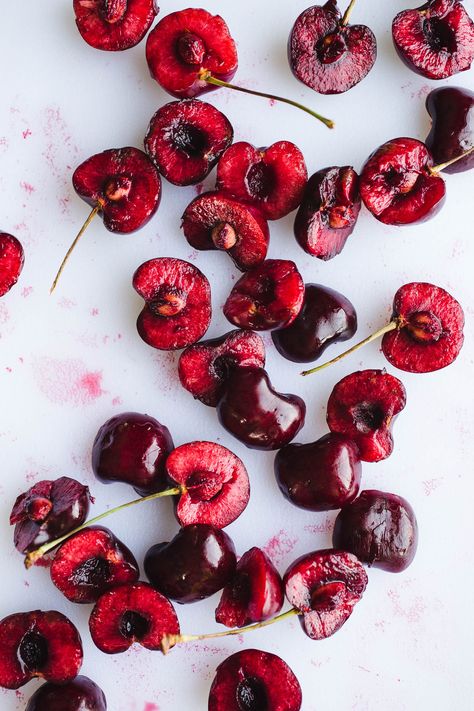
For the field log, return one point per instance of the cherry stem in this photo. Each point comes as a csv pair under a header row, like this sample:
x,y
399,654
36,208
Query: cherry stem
x,y
347,14
389,327
170,640
84,227
438,168
206,76
31,558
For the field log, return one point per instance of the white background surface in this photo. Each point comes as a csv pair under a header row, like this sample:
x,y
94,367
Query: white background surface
x,y
69,362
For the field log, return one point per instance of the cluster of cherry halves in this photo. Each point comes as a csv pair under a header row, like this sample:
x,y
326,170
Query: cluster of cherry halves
x,y
190,52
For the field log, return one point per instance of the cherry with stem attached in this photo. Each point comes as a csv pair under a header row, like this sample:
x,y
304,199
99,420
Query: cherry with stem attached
x,y
33,556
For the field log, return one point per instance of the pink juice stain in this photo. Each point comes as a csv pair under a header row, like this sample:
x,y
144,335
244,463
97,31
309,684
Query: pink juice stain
x,y
67,382
279,546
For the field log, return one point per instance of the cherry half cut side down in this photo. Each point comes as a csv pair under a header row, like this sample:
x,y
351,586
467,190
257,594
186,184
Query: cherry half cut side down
x,y
123,186
190,52
424,334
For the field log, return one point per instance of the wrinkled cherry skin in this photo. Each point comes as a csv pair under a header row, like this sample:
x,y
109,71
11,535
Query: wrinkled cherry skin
x,y
132,448
326,317
81,694
252,680
12,258
319,476
48,510
256,414
452,130
199,561
380,529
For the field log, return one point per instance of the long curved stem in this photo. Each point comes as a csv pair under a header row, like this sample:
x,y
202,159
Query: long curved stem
x,y
32,557
438,168
207,76
389,327
170,640
84,227
347,14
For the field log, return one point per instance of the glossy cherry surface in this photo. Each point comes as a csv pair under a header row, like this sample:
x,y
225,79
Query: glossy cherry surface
x,y
80,694
452,129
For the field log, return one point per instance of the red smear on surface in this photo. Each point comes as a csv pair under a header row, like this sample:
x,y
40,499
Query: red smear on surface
x,y
279,546
26,291
149,706
27,187
67,381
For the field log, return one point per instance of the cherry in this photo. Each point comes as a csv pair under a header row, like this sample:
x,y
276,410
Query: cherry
x,y
252,680
38,644
452,130
191,51
214,481
185,139
47,510
91,562
271,179
380,529
326,53
177,309
328,212
123,186
204,367
321,475
254,594
267,297
425,333
324,586
132,448
114,25
256,414
131,614
80,694
363,406
435,40
215,221
195,564
12,258
326,317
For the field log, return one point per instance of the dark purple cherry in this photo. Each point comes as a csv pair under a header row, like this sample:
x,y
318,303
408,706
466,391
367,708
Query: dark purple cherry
x,y
321,475
452,130
326,317
256,414
132,448
199,561
380,529
81,694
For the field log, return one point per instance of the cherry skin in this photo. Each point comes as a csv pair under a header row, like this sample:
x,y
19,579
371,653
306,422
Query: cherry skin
x,y
132,448
256,414
81,694
326,317
199,561
452,130
380,529
319,476
12,258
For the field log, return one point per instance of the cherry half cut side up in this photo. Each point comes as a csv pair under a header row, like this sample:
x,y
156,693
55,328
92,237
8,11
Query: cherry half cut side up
x,y
326,53
253,680
435,40
114,25
123,186
424,334
190,52
38,644
400,185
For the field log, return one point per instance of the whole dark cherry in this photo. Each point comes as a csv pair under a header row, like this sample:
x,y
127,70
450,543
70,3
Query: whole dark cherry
x,y
81,694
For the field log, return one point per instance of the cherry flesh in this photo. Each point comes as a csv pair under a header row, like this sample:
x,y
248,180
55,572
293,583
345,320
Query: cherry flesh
x,y
114,25
12,258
